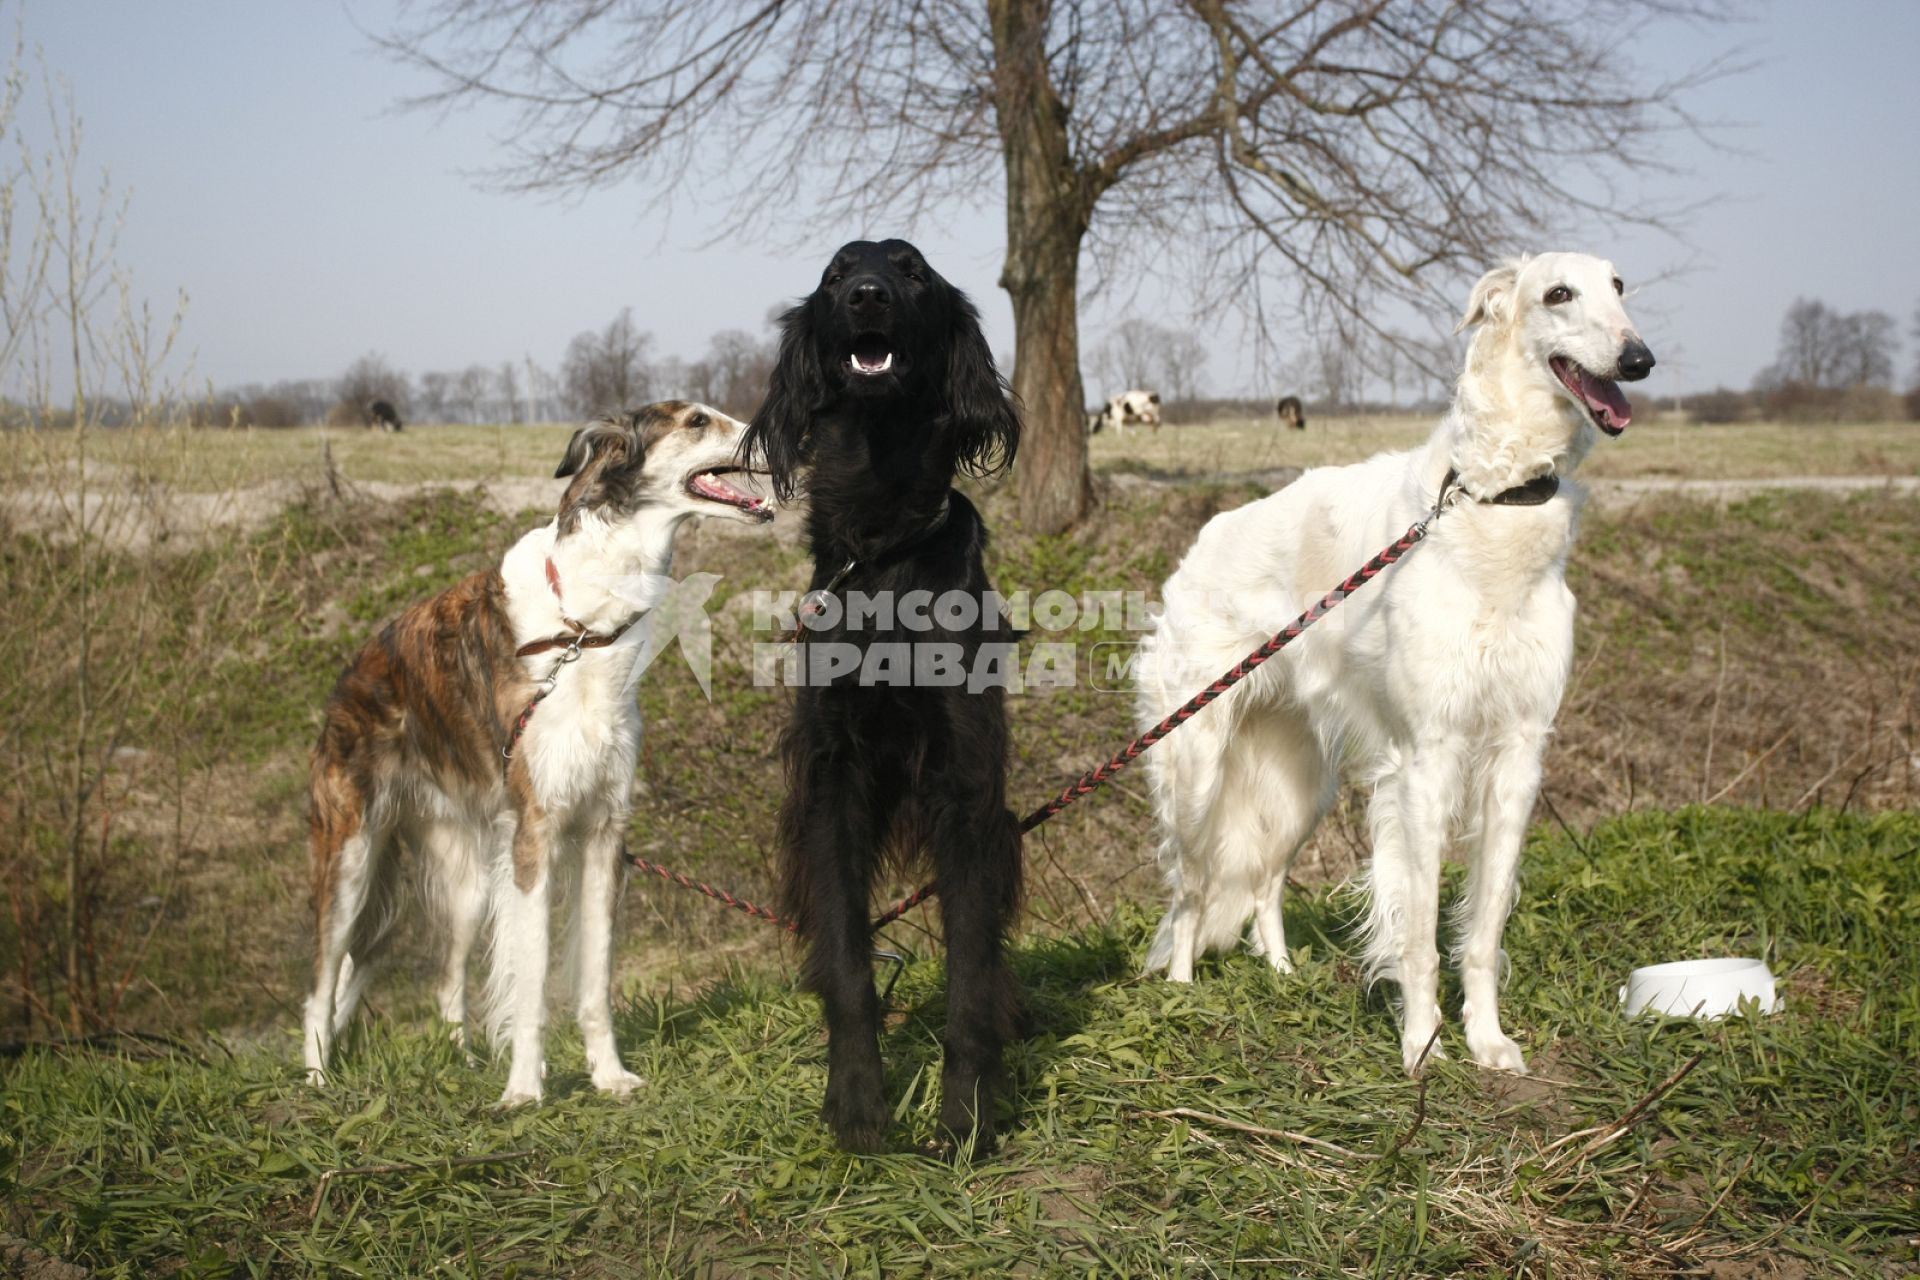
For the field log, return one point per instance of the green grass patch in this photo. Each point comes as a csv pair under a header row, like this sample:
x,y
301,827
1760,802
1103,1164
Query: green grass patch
x,y
1246,1124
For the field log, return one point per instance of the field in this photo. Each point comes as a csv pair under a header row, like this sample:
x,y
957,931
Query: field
x,y
1735,771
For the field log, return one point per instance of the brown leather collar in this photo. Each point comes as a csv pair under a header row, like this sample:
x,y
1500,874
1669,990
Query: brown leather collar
x,y
575,640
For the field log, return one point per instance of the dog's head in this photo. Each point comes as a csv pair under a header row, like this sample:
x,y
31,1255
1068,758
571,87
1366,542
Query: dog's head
x,y
1564,312
672,456
886,337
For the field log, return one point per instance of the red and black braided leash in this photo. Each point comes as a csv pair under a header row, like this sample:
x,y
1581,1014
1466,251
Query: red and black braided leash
x,y
1100,775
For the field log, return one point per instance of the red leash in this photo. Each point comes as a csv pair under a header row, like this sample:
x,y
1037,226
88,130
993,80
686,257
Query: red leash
x,y
1100,775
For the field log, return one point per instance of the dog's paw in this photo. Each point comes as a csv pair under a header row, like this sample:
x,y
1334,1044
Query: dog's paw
x,y
519,1095
317,1077
1497,1053
619,1082
961,1133
859,1124
1417,1051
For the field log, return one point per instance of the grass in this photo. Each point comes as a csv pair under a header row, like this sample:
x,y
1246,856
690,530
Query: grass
x,y
1247,1124
1660,446
1762,653
1759,652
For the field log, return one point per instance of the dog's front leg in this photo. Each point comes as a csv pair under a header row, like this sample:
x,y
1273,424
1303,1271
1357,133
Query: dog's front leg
x,y
1407,868
598,872
977,864
520,952
832,844
1513,782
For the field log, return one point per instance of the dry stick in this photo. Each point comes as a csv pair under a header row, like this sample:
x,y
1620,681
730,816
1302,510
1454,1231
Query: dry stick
x,y
1579,845
1238,1126
1757,761
1603,1134
1700,1228
1713,721
408,1166
1420,1104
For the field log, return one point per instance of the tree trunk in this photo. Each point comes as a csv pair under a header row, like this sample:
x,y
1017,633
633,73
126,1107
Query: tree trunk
x,y
1048,208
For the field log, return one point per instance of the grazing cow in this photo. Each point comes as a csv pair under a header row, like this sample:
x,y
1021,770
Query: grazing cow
x,y
1129,408
1291,412
383,415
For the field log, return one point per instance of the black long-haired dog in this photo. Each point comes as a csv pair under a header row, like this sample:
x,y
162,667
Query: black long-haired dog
x,y
884,390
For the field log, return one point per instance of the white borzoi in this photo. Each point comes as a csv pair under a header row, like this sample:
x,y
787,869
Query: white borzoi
x,y
1437,684
419,745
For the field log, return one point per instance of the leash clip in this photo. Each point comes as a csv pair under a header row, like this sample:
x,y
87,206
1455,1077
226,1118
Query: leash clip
x,y
899,966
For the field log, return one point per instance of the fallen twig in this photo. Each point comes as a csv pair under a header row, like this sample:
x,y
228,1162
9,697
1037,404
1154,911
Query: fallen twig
x,y
1240,1126
1601,1135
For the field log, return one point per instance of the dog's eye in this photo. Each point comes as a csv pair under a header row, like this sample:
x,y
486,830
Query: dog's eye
x,y
698,420
1559,294
1618,287
916,275
835,277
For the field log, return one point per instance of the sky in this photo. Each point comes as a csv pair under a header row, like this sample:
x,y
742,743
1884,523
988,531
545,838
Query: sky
x,y
310,221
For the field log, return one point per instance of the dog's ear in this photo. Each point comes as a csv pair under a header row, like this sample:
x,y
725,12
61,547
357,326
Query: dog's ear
x,y
604,460
980,410
780,434
1492,299
595,442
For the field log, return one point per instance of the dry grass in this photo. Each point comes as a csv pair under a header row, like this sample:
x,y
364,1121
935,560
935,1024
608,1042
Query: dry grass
x,y
1758,653
1660,446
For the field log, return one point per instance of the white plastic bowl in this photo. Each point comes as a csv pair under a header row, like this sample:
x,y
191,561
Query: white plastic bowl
x,y
1699,988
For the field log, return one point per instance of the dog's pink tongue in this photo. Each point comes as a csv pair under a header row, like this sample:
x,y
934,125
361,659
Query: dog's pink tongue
x,y
1606,399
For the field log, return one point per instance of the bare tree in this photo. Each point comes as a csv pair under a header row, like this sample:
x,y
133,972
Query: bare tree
x,y
472,390
1357,146
739,365
1133,354
606,372
436,391
1827,349
543,393
1914,333
366,380
1140,353
1864,349
1340,366
507,378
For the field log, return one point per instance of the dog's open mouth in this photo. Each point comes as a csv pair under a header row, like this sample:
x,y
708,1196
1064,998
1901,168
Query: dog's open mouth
x,y
871,356
1601,397
713,486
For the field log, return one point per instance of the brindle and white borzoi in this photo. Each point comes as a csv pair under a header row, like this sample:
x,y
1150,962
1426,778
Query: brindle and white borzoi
x,y
419,744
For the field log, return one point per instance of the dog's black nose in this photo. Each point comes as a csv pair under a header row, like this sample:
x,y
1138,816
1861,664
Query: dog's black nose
x,y
869,295
1636,362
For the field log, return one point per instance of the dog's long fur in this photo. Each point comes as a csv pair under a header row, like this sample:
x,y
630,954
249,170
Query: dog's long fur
x,y
1437,684
411,750
895,774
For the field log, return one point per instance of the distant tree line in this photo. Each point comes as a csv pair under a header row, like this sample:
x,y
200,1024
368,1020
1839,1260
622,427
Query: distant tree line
x,y
602,370
1829,366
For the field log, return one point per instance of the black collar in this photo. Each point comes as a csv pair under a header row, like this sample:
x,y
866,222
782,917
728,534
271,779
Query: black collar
x,y
1534,493
814,601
